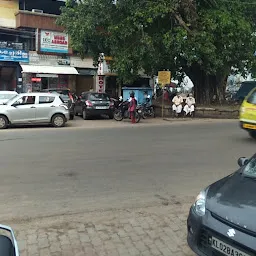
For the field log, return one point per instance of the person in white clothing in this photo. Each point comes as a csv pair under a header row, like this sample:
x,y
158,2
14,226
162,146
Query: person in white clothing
x,y
190,105
177,104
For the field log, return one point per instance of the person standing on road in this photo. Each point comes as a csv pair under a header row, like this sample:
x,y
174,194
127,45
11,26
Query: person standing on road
x,y
132,107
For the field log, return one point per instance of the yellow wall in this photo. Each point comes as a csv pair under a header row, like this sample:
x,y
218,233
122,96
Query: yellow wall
x,y
8,8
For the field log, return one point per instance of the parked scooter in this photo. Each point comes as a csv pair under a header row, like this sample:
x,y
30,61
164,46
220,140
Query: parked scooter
x,y
122,112
8,246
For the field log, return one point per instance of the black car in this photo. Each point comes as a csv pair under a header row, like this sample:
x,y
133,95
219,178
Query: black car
x,y
222,219
66,96
94,104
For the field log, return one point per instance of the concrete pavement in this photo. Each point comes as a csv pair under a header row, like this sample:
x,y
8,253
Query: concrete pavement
x,y
66,191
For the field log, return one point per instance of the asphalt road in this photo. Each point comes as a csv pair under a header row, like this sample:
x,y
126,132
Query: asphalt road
x,y
47,172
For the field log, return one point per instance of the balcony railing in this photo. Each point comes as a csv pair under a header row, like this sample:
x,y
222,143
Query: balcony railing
x,y
27,19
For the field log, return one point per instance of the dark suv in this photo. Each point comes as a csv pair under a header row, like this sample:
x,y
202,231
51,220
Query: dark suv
x,y
94,104
66,96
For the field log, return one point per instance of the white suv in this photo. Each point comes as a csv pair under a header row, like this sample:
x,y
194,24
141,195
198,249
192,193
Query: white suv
x,y
34,108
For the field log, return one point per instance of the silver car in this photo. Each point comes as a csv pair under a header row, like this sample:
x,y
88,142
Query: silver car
x,y
34,108
6,95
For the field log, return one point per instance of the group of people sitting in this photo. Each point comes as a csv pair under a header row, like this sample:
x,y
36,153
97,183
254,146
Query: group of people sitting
x,y
187,105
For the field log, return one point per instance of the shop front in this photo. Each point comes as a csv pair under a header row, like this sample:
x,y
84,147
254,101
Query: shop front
x,y
48,71
86,78
11,55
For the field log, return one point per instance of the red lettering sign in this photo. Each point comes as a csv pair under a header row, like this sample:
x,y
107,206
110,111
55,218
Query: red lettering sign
x,y
55,41
36,79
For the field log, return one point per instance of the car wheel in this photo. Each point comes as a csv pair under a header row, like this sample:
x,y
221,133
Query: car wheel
x,y
58,120
3,122
253,134
84,114
71,117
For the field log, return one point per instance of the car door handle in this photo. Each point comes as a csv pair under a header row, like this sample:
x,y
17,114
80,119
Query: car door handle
x,y
32,107
52,106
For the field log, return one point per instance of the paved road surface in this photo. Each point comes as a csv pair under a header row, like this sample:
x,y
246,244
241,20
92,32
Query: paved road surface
x,y
53,172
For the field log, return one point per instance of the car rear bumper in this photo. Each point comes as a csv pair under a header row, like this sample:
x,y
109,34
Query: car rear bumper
x,y
202,229
67,115
97,112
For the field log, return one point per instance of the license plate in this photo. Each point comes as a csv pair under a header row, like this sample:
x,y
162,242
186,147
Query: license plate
x,y
226,249
249,126
104,107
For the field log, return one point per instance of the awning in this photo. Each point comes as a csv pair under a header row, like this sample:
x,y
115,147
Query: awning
x,y
60,70
86,71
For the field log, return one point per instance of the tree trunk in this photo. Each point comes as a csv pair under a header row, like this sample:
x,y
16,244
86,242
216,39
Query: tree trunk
x,y
208,88
221,87
202,85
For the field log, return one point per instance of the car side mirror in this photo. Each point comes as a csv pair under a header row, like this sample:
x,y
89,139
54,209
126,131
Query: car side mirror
x,y
242,161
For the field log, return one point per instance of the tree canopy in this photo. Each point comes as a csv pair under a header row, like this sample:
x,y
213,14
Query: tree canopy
x,y
203,38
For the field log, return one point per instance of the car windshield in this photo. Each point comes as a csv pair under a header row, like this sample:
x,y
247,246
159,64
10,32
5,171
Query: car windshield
x,y
99,96
63,94
252,98
250,168
14,97
245,89
6,96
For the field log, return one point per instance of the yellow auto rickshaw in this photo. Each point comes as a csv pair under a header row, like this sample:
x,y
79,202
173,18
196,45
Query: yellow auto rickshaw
x,y
247,115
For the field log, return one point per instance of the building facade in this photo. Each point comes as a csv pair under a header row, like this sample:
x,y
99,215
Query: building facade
x,y
14,45
35,53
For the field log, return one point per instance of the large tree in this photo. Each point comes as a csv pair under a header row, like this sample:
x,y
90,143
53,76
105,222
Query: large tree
x,y
203,38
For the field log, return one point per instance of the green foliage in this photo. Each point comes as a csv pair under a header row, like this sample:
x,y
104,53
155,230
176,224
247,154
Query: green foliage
x,y
153,35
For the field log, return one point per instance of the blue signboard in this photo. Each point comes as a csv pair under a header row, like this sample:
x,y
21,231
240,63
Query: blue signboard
x,y
13,55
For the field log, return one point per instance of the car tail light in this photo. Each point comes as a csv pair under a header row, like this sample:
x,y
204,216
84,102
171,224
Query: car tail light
x,y
88,103
71,97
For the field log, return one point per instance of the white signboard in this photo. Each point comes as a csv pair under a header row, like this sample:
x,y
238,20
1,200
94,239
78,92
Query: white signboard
x,y
77,62
48,60
52,41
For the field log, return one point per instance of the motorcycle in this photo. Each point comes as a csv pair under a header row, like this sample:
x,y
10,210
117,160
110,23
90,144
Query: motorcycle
x,y
8,246
147,111
122,112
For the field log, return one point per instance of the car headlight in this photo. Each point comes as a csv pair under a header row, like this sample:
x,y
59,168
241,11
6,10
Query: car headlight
x,y
199,205
242,110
